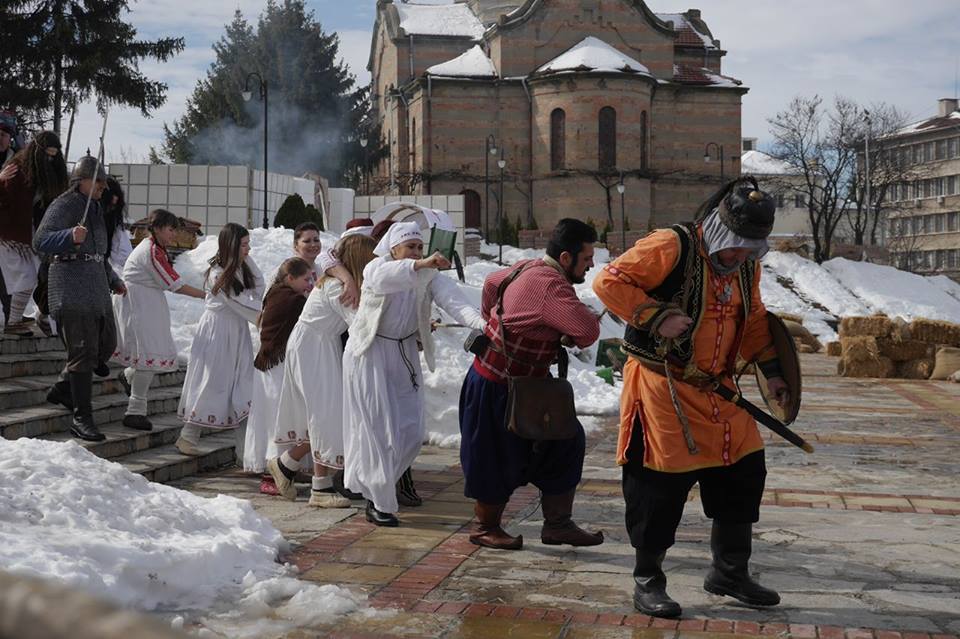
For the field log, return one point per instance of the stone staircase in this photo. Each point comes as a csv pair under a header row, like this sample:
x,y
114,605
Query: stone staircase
x,y
30,365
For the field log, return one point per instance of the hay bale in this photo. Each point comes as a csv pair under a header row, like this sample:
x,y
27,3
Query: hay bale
x,y
915,368
874,326
947,362
859,349
936,332
904,350
901,330
834,349
881,367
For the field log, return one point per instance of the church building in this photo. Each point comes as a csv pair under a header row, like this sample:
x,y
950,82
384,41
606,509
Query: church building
x,y
572,97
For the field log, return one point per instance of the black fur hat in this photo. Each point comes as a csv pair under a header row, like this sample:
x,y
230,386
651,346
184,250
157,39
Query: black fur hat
x,y
748,211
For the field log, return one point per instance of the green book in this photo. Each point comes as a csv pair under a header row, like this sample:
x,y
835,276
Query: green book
x,y
443,241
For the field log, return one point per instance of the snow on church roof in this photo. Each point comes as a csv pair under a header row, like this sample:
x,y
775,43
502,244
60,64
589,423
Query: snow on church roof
x,y
593,54
439,20
472,64
687,34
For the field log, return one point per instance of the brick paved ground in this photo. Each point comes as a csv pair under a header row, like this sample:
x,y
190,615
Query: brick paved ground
x,y
862,538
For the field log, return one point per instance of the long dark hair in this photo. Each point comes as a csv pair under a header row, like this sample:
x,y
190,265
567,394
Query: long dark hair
x,y
114,213
228,258
47,175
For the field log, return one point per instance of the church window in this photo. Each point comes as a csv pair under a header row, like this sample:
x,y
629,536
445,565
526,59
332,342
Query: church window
x,y
608,138
558,140
643,140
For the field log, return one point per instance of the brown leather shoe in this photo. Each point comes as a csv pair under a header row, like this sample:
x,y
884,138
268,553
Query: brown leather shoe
x,y
489,533
558,526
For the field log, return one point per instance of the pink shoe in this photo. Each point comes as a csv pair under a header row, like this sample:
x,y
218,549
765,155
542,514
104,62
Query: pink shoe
x,y
267,486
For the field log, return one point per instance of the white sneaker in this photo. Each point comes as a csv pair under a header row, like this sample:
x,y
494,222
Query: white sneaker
x,y
187,447
285,486
319,499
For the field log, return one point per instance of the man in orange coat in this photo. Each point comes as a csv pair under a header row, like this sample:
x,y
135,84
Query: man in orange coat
x,y
691,297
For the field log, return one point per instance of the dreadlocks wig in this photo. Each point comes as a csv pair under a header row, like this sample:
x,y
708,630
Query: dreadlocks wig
x,y
46,173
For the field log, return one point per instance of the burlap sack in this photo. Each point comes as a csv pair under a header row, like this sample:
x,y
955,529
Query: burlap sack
x,y
955,378
875,326
948,362
802,336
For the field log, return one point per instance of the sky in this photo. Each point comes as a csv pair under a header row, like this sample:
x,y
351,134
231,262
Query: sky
x,y
903,53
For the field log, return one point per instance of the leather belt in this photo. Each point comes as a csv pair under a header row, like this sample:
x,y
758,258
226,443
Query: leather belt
x,y
78,257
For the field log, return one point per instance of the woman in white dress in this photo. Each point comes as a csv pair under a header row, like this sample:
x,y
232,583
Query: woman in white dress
x,y
383,385
310,414
144,342
217,389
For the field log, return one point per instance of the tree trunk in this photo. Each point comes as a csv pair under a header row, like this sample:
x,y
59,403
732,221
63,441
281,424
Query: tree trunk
x,y
58,67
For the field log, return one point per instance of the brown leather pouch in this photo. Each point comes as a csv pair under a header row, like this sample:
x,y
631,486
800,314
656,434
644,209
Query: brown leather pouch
x,y
541,408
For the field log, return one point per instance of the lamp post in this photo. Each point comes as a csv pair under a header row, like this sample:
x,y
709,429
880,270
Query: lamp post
x,y
866,164
247,95
366,163
621,189
502,163
489,148
707,158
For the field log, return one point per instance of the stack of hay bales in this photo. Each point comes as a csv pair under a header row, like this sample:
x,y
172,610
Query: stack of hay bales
x,y
880,347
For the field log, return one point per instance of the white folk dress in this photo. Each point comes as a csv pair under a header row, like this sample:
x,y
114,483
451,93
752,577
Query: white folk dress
x,y
311,400
382,380
144,341
217,388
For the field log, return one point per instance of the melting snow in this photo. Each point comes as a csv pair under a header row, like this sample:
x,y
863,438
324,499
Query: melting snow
x,y
595,55
439,20
472,64
759,163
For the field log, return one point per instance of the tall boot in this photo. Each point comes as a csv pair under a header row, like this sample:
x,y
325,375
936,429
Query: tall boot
x,y
730,576
650,590
558,526
81,388
59,393
489,533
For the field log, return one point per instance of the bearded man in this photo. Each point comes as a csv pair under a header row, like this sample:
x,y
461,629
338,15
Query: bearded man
x,y
691,297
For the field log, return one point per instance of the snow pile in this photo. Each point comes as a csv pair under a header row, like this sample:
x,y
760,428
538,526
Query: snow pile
x,y
759,163
439,20
472,64
593,54
893,292
68,515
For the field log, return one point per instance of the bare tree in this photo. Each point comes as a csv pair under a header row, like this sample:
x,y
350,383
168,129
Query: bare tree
x,y
820,144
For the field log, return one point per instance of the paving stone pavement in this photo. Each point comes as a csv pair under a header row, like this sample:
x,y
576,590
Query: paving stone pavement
x,y
861,538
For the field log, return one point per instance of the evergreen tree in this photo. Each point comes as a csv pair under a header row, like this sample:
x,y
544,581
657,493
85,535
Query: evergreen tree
x,y
313,109
58,53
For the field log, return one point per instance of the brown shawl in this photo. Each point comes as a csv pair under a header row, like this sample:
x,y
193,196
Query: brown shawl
x,y
16,210
281,310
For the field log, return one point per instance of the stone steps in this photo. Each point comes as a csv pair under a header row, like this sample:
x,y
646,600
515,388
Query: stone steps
x,y
29,366
20,392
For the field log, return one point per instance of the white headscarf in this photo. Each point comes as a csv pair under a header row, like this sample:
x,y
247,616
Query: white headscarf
x,y
358,230
398,234
718,237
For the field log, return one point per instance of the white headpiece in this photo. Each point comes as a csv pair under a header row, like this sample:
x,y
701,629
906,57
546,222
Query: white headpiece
x,y
357,230
398,234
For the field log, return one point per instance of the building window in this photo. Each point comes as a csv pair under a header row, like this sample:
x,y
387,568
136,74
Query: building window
x,y
952,147
916,225
953,256
607,138
779,200
953,221
643,140
941,149
951,188
928,224
800,201
917,153
939,222
929,151
558,140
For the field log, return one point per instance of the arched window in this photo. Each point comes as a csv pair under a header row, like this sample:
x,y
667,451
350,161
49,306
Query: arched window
x,y
558,140
608,138
643,140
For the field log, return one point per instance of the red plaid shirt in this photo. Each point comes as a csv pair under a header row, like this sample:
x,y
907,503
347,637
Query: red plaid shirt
x,y
540,307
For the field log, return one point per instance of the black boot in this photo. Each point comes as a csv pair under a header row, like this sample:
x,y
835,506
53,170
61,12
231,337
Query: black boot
x,y
59,393
650,590
406,491
380,518
343,490
729,576
81,388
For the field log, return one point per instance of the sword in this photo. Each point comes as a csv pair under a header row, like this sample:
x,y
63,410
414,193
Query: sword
x,y
96,169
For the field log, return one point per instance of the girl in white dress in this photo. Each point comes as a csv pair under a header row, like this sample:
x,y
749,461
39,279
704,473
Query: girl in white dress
x,y
310,415
217,389
144,342
383,385
281,308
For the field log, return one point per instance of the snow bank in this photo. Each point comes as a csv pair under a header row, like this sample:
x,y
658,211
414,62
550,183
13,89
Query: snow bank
x,y
895,293
69,515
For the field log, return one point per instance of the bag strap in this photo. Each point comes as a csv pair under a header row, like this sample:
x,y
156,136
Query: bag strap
x,y
563,359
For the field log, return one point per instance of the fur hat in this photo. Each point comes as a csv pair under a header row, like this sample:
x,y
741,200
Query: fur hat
x,y
87,168
748,211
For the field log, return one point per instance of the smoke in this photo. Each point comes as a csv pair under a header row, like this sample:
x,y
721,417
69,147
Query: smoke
x,y
298,142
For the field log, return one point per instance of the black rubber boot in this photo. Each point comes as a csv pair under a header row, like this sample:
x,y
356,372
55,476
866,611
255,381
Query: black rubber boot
x,y
59,393
380,518
343,490
81,388
731,546
650,590
406,491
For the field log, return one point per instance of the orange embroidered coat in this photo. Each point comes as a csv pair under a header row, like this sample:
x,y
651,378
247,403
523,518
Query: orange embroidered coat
x,y
724,433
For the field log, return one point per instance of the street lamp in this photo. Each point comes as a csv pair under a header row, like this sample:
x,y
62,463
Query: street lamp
x,y
707,158
247,95
866,164
621,189
489,148
502,163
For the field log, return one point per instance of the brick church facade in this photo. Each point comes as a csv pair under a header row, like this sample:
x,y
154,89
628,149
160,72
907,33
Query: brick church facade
x,y
572,94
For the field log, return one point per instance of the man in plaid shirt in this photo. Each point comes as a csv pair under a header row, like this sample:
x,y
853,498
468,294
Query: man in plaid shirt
x,y
540,311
